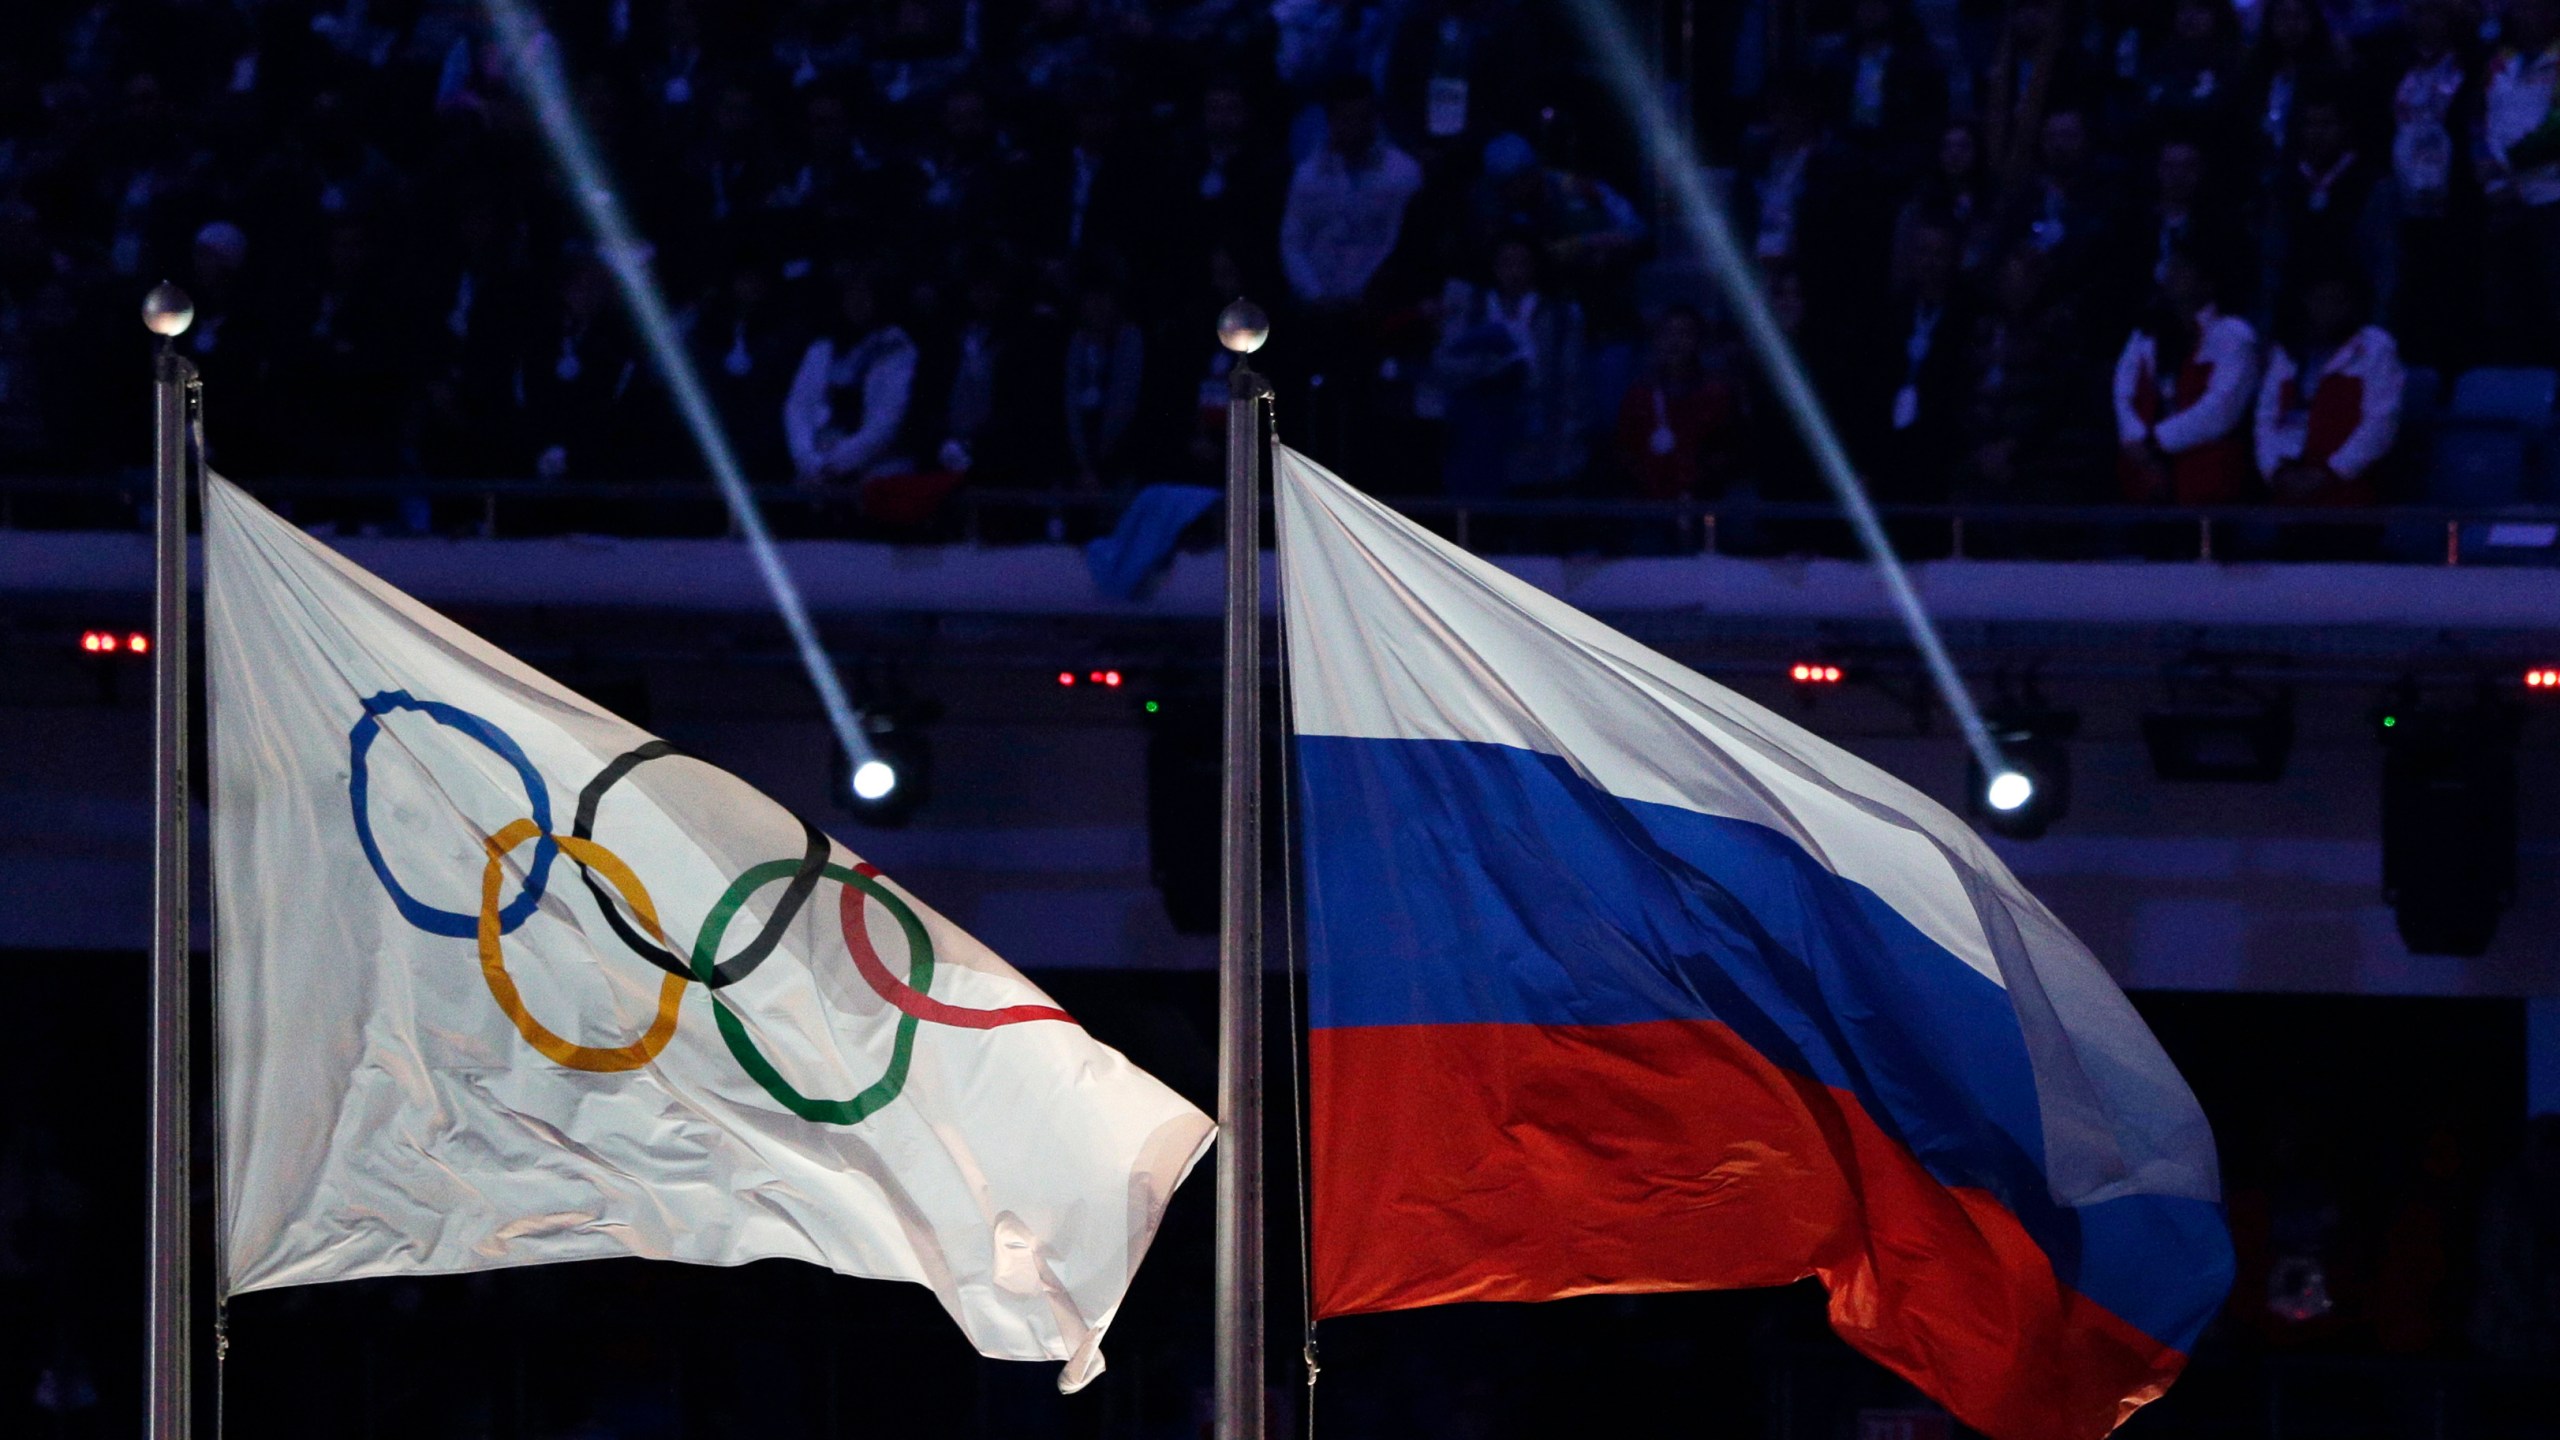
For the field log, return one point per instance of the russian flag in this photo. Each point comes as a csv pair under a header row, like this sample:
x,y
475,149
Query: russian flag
x,y
1621,983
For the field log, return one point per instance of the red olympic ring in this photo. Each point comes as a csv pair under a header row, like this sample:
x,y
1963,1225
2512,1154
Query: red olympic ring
x,y
907,998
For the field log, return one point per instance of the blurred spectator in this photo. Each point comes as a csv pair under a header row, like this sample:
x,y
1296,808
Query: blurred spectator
x,y
1224,185
2032,434
966,175
1086,199
2330,207
985,376
1909,391
2520,171
1887,86
1774,454
1675,425
2297,55
2435,109
1054,43
1954,191
2191,83
2186,216
2329,407
1459,68
726,172
1325,44
389,281
745,351
2033,68
2072,203
1346,204
1586,229
573,380
2182,392
1510,362
845,417
1106,370
1785,177
923,48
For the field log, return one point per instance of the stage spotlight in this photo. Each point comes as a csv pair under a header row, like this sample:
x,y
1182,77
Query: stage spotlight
x,y
2032,789
888,788
873,780
2448,822
2009,790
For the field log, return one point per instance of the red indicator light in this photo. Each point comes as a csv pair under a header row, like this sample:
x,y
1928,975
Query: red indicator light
x,y
1111,678
1814,674
2544,678
101,642
1066,677
138,643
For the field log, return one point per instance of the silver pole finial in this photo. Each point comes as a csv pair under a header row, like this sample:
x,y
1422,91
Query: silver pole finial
x,y
1242,327
167,312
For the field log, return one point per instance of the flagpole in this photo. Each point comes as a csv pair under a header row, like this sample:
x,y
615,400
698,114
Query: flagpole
x,y
1242,328
167,313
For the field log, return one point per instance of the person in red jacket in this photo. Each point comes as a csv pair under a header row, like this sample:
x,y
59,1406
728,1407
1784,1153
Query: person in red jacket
x,y
1676,426
1675,422
2330,405
2183,386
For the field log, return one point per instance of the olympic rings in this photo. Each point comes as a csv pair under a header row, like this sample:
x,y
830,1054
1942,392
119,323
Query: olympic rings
x,y
417,912
912,1001
804,882
742,1047
909,997
502,987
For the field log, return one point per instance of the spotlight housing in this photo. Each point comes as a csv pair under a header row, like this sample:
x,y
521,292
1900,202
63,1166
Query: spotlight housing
x,y
2009,790
2215,727
2032,790
2448,821
886,790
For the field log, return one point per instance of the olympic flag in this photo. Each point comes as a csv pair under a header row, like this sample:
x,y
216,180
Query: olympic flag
x,y
506,981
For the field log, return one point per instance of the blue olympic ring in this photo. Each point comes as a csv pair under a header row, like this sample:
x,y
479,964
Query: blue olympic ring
x,y
417,912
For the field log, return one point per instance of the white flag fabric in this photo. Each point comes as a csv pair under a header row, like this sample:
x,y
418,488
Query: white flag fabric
x,y
506,981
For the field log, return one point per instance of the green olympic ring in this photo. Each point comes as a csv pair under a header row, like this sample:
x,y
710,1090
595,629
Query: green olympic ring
x,y
880,1092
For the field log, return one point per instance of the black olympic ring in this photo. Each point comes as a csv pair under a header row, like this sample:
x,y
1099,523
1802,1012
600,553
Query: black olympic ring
x,y
815,849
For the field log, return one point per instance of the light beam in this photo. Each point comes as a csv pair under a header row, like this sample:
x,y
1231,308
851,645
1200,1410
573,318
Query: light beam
x,y
1740,283
535,62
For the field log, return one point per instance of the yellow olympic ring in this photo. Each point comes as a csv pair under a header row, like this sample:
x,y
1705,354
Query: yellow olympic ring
x,y
502,987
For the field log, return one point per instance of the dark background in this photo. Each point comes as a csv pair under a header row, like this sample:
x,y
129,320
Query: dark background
x,y
2342,1100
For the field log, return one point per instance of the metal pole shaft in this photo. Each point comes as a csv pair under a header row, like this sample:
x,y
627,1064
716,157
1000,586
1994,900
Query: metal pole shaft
x,y
1239,1321
167,1351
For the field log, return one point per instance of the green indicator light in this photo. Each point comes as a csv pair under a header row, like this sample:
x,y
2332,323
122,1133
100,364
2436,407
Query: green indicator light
x,y
2390,720
1152,707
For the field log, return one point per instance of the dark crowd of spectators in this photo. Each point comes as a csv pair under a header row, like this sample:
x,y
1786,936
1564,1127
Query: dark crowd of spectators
x,y
2033,250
